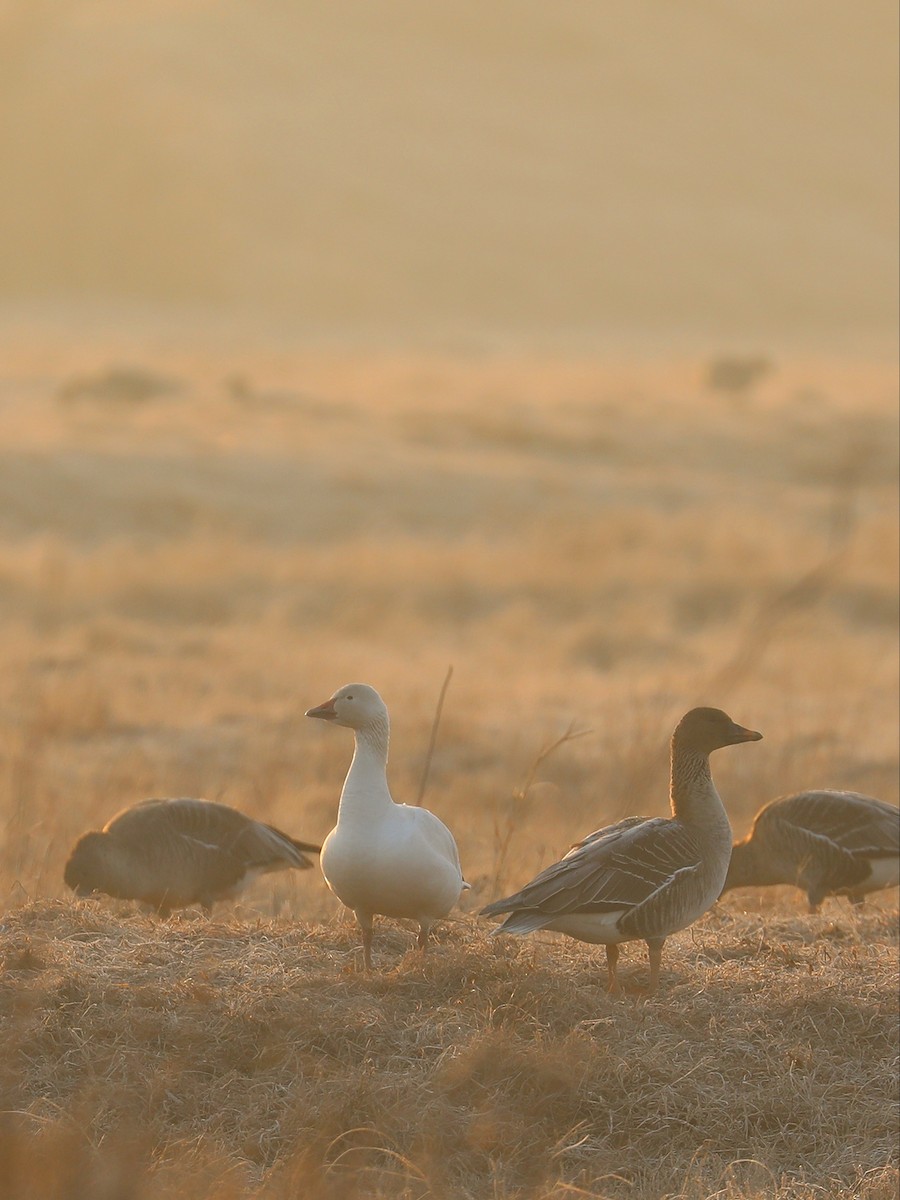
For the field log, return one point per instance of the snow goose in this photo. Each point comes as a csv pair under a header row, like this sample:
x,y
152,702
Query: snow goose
x,y
172,853
383,858
825,842
645,877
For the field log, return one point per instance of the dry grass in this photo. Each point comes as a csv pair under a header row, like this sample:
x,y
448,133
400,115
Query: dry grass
x,y
183,571
493,1069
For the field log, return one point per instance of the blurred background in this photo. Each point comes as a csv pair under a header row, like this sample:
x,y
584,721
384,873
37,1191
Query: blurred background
x,y
575,175
553,341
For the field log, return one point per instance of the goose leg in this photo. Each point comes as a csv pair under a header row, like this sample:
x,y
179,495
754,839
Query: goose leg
x,y
612,957
655,949
815,898
815,885
422,939
365,925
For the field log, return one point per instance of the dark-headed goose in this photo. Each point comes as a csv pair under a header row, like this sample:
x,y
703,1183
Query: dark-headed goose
x,y
391,859
645,877
172,853
825,842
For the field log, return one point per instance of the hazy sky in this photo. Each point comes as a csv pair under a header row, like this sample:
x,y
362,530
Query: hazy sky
x,y
577,173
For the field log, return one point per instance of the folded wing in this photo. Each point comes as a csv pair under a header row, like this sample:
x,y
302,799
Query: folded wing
x,y
849,821
625,868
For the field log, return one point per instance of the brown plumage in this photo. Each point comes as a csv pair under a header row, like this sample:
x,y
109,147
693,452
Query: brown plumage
x,y
644,877
828,843
172,853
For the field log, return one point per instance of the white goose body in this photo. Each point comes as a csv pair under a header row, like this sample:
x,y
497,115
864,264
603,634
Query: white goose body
x,y
643,877
383,858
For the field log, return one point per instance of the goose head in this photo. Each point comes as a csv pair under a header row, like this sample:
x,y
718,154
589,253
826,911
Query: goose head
x,y
355,705
86,870
703,730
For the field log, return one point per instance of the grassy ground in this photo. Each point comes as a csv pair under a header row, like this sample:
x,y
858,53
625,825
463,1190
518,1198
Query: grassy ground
x,y
196,549
256,1052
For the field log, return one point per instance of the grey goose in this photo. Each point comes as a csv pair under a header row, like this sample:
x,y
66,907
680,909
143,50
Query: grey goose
x,y
826,842
174,853
643,878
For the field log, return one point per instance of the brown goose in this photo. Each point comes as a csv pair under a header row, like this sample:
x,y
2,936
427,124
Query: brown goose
x,y
645,877
172,853
827,843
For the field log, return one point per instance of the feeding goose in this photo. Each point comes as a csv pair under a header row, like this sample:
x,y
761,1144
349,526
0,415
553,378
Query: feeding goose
x,y
644,877
826,842
393,860
173,853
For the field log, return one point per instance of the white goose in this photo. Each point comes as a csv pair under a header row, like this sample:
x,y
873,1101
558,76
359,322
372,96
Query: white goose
x,y
174,853
645,877
383,858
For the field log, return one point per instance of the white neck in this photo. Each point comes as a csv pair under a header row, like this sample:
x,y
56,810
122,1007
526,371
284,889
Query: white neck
x,y
366,792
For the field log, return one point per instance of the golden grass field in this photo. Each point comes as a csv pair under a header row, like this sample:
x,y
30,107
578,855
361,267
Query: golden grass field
x,y
197,546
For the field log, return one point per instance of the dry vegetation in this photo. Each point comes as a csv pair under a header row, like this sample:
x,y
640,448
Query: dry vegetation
x,y
248,1051
193,552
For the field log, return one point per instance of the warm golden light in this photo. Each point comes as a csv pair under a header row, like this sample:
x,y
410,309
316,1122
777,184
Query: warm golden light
x,y
551,342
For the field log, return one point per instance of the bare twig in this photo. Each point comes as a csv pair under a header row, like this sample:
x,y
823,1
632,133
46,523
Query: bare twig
x,y
542,755
433,738
503,834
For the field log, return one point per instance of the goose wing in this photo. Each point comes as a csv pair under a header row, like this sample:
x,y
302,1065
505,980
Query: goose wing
x,y
435,833
608,830
253,844
216,828
834,867
210,821
617,869
856,824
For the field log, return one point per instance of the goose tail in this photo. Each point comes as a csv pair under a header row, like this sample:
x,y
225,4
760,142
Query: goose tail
x,y
290,849
517,922
305,847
